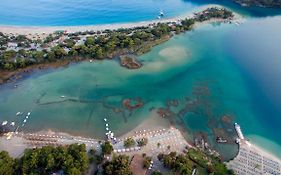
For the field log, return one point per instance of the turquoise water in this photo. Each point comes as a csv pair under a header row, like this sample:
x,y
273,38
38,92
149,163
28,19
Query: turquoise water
x,y
213,71
239,79
87,12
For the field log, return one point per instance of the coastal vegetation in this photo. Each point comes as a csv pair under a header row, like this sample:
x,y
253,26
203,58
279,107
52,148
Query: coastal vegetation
x,y
120,165
18,52
147,162
70,159
107,148
194,159
142,141
74,159
129,142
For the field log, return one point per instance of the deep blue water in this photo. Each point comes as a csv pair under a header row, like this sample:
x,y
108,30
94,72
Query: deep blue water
x,y
87,12
255,48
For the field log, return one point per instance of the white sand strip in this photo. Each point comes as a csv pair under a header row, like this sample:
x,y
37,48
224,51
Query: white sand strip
x,y
34,30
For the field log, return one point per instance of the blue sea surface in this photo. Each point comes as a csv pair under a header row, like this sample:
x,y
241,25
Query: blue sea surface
x,y
86,12
90,12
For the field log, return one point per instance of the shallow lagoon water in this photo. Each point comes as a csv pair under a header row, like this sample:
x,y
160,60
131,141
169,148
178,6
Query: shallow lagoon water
x,y
209,56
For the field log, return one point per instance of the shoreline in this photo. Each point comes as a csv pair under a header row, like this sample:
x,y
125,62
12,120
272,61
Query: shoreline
x,y
42,32
154,128
252,155
45,30
13,76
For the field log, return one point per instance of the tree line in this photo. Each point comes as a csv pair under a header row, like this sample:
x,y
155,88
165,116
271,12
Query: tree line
x,y
99,45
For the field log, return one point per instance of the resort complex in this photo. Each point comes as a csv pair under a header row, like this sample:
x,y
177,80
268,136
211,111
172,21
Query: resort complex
x,y
252,159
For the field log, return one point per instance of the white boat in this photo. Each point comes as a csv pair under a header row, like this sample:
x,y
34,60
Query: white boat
x,y
18,113
107,129
106,125
161,13
28,114
26,117
12,124
24,121
91,61
62,96
4,123
105,119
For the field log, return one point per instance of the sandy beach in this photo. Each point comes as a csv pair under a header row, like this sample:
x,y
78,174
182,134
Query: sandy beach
x,y
155,128
44,31
253,159
152,122
263,152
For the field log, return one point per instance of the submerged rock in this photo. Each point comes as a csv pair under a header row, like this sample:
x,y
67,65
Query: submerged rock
x,y
130,62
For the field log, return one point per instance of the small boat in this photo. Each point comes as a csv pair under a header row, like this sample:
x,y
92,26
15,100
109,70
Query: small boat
x,y
12,124
26,117
24,121
18,113
62,96
28,114
161,13
221,140
4,123
105,119
107,129
91,61
237,23
106,125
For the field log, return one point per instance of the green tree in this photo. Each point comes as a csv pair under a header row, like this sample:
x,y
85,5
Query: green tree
x,y
146,162
89,41
142,141
107,148
120,165
6,164
129,142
